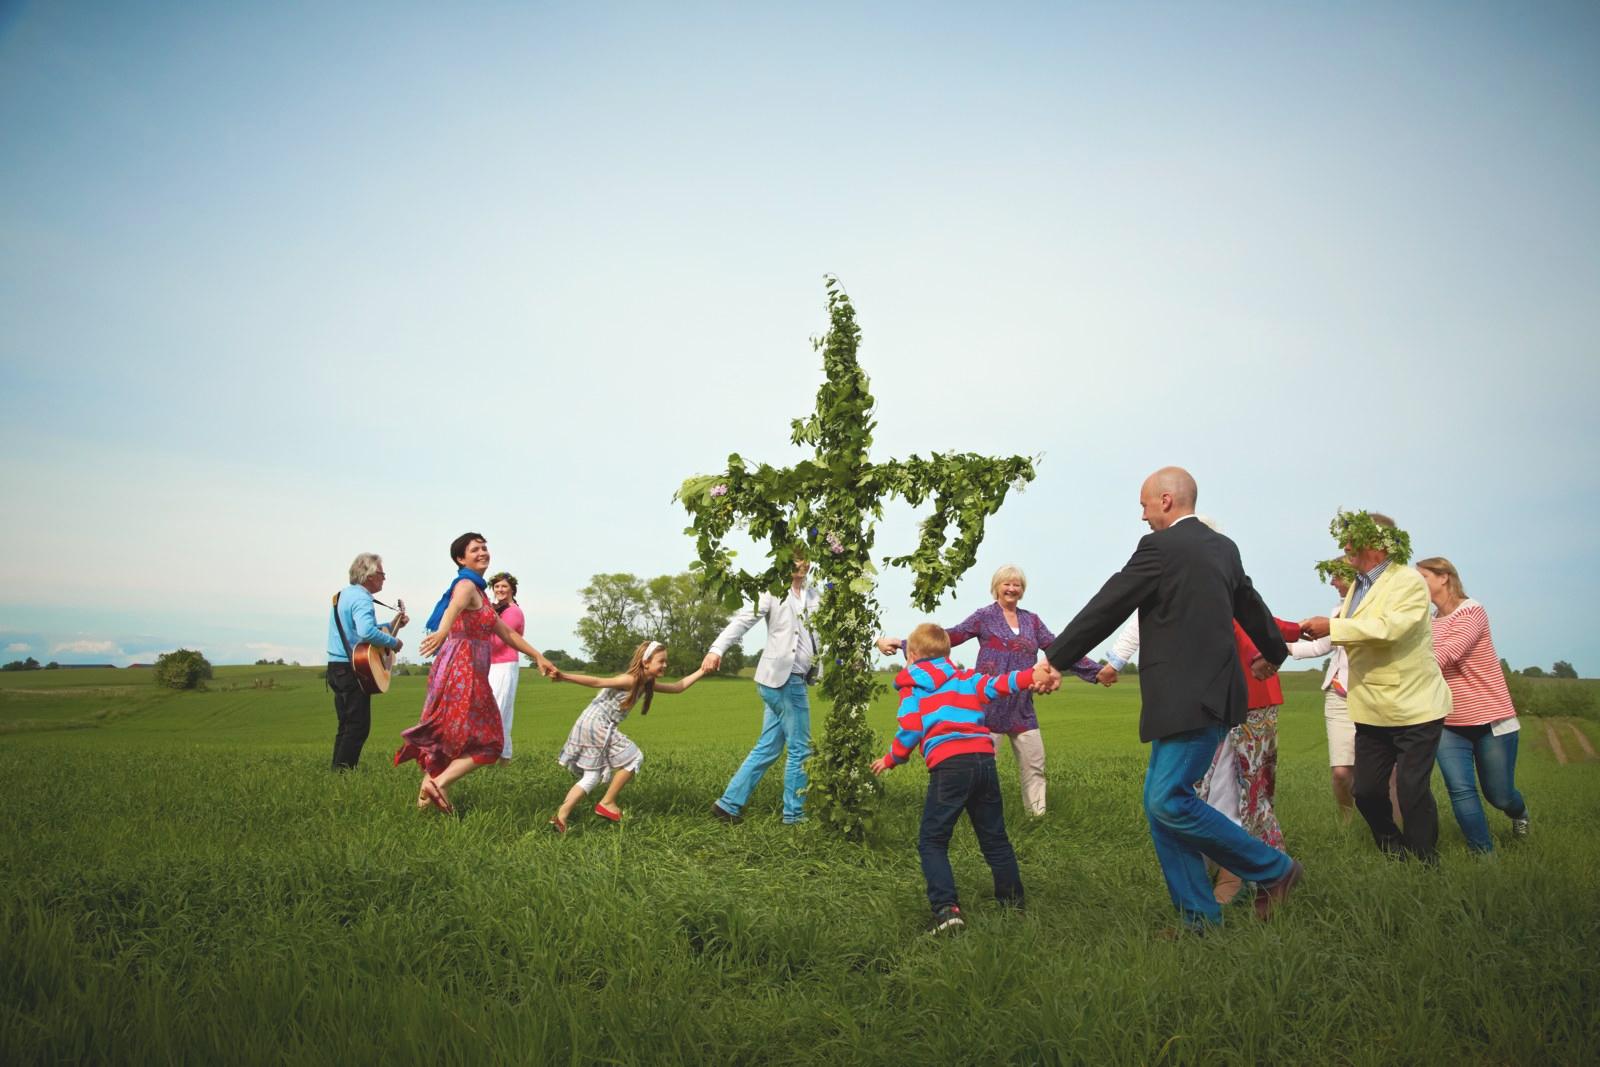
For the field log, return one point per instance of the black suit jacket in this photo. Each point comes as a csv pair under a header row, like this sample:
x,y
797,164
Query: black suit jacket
x,y
1188,585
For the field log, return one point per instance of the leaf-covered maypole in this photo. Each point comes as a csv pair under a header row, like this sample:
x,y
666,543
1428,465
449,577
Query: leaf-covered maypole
x,y
825,509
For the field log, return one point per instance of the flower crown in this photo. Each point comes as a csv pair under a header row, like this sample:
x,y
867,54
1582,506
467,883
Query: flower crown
x,y
1337,567
1357,530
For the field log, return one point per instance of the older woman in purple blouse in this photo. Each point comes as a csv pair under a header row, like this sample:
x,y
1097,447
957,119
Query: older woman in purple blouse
x,y
1009,639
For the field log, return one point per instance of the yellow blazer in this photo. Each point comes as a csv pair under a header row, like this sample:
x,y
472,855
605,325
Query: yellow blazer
x,y
1394,679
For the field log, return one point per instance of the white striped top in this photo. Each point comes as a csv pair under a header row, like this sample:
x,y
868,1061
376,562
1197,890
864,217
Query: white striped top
x,y
1465,651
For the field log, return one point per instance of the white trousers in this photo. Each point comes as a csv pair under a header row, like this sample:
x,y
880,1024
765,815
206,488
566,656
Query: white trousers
x,y
1028,747
1220,787
503,682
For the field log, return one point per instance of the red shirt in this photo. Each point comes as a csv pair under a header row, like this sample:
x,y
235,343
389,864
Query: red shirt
x,y
1267,694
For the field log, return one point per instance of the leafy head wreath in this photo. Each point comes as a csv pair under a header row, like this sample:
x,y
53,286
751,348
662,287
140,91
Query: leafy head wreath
x,y
1358,531
1337,567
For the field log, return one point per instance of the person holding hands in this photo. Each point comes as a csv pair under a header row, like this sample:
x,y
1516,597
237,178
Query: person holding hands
x,y
941,712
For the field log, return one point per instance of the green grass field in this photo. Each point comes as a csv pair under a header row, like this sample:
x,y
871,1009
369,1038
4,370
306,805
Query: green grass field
x,y
188,883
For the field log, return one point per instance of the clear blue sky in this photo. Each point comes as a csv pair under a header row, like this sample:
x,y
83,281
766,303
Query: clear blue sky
x,y
282,283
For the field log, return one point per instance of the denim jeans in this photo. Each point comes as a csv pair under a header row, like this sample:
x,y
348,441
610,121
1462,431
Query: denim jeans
x,y
1463,749
970,783
1186,829
787,721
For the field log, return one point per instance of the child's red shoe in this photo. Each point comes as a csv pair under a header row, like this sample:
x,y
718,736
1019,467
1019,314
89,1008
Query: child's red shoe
x,y
607,814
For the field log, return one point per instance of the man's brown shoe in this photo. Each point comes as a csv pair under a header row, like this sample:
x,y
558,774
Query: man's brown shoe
x,y
1269,897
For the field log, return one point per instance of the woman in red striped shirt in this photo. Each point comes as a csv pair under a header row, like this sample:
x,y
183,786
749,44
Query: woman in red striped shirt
x,y
1479,741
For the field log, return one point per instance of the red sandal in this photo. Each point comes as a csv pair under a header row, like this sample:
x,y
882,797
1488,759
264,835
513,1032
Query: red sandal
x,y
607,814
557,825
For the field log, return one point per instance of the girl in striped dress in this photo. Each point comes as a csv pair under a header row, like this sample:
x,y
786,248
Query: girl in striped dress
x,y
596,749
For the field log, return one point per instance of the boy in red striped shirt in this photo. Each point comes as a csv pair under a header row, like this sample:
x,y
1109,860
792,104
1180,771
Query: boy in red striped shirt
x,y
941,711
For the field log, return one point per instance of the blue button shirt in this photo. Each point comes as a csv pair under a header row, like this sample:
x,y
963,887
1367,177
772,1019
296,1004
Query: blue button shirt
x,y
360,624
1364,582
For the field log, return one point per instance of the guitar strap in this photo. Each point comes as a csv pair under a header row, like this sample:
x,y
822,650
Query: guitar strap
x,y
340,624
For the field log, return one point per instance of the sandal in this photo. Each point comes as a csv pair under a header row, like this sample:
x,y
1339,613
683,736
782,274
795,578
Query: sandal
x,y
558,825
607,814
436,797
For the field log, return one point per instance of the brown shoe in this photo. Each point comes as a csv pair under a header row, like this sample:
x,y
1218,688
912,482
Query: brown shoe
x,y
1269,897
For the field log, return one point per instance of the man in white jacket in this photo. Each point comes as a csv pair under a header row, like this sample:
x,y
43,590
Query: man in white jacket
x,y
781,679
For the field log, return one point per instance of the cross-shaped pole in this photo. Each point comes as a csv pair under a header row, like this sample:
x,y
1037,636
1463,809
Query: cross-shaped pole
x,y
826,509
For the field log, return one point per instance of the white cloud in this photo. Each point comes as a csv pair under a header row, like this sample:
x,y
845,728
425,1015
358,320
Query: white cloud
x,y
18,646
108,648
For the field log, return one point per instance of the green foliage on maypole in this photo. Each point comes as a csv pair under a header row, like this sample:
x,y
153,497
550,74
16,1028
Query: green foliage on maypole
x,y
825,509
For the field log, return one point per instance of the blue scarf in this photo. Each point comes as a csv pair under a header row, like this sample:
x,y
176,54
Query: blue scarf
x,y
444,602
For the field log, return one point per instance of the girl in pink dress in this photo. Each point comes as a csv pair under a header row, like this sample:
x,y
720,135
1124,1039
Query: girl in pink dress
x,y
460,727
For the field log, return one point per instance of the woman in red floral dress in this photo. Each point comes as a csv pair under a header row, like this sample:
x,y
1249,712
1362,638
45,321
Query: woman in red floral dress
x,y
460,726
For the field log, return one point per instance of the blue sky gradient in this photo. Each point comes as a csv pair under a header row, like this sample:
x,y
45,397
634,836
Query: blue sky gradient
x,y
282,283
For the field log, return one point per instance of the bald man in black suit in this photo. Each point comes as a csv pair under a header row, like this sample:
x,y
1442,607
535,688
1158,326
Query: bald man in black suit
x,y
1188,585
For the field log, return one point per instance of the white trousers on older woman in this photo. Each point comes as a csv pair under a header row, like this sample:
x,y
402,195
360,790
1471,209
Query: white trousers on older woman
x,y
1028,747
503,683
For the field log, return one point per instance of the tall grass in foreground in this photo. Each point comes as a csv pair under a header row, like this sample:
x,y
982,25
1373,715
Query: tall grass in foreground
x,y
231,901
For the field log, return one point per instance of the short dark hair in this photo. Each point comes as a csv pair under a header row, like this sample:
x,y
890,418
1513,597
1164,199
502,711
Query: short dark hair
x,y
458,547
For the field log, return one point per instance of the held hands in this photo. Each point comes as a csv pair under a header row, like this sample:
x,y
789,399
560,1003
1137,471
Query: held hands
x,y
711,664
888,645
1107,676
880,765
547,668
1261,670
1314,628
1046,679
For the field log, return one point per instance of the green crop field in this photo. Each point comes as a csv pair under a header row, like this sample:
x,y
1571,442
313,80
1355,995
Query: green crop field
x,y
187,882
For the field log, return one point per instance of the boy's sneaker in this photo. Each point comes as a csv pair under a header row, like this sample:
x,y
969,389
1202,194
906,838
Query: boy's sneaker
x,y
1519,827
946,918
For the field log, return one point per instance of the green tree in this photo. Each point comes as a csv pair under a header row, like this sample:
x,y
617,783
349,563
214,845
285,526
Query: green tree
x,y
29,664
1563,669
1533,672
680,612
565,660
826,508
613,617
183,669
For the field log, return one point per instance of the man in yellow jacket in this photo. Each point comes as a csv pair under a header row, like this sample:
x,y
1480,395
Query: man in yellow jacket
x,y
1397,696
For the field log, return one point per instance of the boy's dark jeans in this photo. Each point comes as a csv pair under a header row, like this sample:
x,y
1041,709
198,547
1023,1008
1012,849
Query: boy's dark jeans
x,y
970,783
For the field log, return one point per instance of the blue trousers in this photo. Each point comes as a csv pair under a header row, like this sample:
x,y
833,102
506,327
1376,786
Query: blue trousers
x,y
786,721
1186,829
968,783
1465,749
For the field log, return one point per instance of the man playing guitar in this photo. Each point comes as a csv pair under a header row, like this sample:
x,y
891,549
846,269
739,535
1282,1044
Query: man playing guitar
x,y
353,622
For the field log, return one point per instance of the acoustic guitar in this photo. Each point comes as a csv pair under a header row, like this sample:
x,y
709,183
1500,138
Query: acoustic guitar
x,y
374,665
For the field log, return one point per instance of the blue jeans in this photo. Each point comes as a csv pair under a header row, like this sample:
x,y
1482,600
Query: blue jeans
x,y
1186,829
1465,748
970,783
787,721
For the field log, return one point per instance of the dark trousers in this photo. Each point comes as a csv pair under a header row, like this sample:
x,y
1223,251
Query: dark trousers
x,y
1409,751
353,706
969,783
